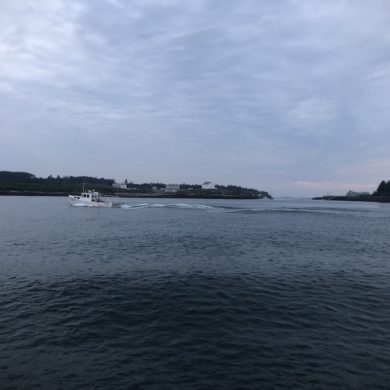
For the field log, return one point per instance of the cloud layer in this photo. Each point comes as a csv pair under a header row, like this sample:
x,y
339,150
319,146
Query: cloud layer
x,y
290,96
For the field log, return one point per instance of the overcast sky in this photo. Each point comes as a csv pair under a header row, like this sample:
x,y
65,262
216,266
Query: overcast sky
x,y
289,96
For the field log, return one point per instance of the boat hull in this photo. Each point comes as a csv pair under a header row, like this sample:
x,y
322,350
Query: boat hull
x,y
78,201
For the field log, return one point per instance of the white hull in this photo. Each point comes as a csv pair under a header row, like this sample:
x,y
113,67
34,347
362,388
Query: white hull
x,y
76,200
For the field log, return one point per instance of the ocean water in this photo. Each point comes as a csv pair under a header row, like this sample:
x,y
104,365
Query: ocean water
x,y
194,294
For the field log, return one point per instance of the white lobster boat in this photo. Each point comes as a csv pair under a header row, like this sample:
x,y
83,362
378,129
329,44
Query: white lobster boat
x,y
91,198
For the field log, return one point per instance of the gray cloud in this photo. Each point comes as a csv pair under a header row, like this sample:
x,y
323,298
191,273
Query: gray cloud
x,y
291,96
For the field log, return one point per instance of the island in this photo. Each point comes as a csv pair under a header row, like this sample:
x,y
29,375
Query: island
x,y
27,184
381,194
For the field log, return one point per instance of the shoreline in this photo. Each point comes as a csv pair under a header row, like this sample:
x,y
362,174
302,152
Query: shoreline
x,y
135,195
372,199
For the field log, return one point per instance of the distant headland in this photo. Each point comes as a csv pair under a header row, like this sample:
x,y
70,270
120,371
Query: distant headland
x,y
27,184
382,194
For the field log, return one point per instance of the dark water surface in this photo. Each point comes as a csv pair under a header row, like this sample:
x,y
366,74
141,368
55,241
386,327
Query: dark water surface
x,y
194,294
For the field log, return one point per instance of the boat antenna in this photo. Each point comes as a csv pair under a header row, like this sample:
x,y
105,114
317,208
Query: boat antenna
x,y
84,185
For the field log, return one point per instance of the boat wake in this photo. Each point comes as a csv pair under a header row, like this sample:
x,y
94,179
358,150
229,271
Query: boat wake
x,y
97,205
223,208
155,205
82,205
169,206
227,209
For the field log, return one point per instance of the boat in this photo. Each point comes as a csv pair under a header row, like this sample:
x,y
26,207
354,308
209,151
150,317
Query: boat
x,y
92,199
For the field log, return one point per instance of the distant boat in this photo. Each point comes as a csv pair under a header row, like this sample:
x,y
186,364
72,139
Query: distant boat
x,y
92,199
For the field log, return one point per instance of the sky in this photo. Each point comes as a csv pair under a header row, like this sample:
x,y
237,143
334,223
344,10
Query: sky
x,y
287,96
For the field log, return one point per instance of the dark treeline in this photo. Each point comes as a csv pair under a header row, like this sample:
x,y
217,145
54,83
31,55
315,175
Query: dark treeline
x,y
145,187
190,187
77,179
22,177
381,194
196,189
237,190
15,177
228,191
26,182
383,189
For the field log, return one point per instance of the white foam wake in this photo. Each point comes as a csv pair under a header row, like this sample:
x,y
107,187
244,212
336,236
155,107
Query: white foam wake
x,y
171,205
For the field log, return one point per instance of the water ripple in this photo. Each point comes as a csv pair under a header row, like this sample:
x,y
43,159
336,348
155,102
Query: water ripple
x,y
189,330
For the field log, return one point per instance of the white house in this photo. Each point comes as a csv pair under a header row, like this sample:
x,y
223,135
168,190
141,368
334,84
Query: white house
x,y
208,185
122,186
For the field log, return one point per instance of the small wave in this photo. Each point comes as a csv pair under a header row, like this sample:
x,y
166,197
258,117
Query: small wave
x,y
169,206
82,205
191,206
135,206
248,320
288,210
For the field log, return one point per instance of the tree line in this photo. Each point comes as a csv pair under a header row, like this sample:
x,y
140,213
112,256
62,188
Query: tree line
x,y
26,181
23,177
383,189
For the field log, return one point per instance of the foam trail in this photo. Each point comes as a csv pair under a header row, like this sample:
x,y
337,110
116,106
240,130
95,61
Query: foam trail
x,y
135,206
170,206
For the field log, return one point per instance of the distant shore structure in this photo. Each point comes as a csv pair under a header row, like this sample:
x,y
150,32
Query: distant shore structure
x,y
122,186
172,188
351,193
27,184
208,185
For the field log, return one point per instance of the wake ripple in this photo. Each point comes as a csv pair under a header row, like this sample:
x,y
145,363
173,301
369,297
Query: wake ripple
x,y
169,206
245,210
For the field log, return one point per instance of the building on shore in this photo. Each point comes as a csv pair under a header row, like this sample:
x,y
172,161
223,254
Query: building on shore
x,y
122,186
208,185
353,194
171,188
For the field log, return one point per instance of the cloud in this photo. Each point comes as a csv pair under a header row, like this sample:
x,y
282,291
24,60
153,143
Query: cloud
x,y
312,117
257,93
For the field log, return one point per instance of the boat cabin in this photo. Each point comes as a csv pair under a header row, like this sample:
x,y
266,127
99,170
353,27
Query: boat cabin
x,y
92,196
